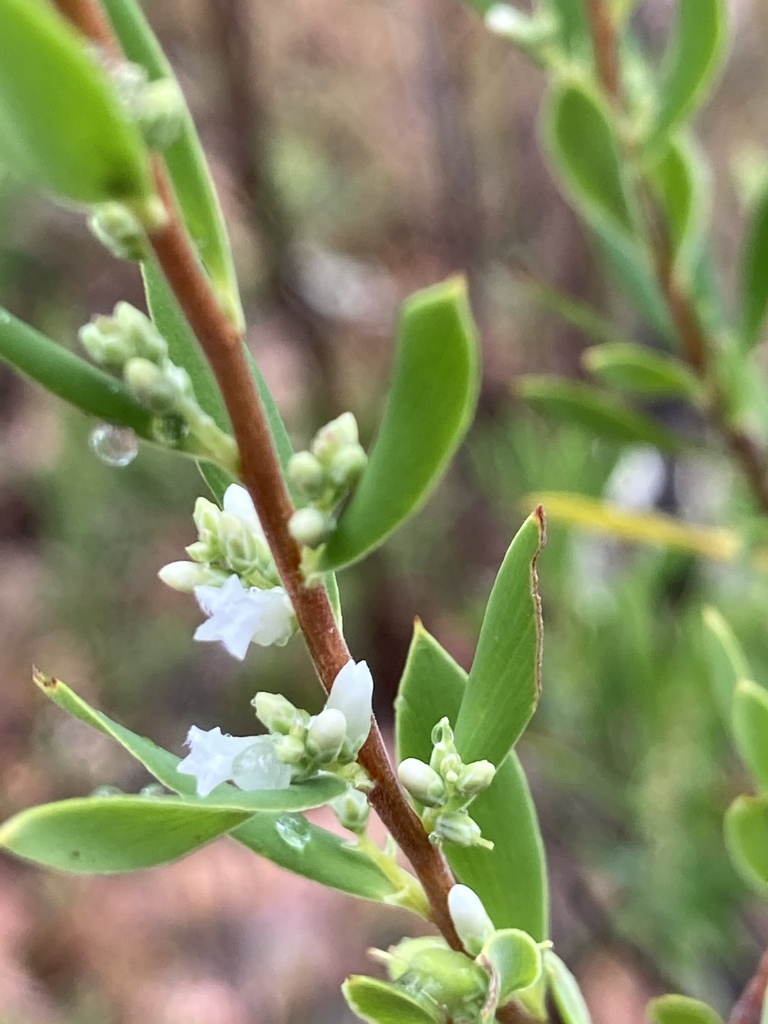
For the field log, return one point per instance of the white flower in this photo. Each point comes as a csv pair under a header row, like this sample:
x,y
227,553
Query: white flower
x,y
237,502
470,918
352,694
250,761
239,616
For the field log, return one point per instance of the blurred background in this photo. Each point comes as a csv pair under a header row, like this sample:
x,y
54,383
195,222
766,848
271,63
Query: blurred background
x,y
363,149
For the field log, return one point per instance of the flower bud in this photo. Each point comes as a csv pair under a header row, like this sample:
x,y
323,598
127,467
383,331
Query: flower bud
x,y
474,778
311,527
119,231
144,338
105,343
160,113
347,466
206,517
276,712
243,551
458,828
185,576
353,810
333,436
306,474
290,750
150,386
469,916
325,736
422,782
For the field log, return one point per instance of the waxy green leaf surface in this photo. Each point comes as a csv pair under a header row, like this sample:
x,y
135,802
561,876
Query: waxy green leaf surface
x,y
379,1002
746,835
675,1009
430,407
565,991
638,369
754,274
750,729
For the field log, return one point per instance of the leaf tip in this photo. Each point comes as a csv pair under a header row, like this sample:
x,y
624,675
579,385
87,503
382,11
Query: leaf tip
x,y
45,682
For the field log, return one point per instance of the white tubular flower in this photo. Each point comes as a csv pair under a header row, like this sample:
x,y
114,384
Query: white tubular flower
x,y
250,761
240,616
470,918
237,501
352,694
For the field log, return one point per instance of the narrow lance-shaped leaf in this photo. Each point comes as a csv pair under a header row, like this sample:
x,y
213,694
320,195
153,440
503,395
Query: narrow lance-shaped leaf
x,y
430,406
504,683
675,1009
574,402
641,371
184,159
565,991
750,730
113,834
510,879
584,155
754,273
61,124
289,841
571,14
725,660
380,1002
746,836
692,60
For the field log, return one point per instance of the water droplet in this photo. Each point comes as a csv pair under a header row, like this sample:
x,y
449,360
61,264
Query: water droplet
x,y
293,830
102,791
116,446
5,317
153,789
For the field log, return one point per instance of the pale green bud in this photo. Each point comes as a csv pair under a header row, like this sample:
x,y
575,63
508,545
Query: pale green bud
x,y
160,113
242,550
326,735
290,750
474,778
204,550
150,386
185,576
144,338
353,810
333,436
347,466
458,828
311,527
469,916
306,474
445,758
422,782
206,517
119,231
105,343
276,712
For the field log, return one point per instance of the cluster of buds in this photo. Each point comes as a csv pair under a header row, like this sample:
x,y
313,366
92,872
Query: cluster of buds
x,y
128,343
445,788
323,477
329,741
157,107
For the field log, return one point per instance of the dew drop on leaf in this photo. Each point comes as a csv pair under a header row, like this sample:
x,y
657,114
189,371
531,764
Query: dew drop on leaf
x,y
293,830
115,446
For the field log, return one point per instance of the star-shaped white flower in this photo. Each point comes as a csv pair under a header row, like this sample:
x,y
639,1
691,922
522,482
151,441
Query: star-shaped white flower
x,y
238,616
249,761
352,694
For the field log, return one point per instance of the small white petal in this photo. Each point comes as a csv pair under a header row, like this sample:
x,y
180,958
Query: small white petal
x,y
239,616
352,694
237,501
211,755
470,918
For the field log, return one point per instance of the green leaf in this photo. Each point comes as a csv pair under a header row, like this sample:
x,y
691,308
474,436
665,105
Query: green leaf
x,y
681,1010
682,181
750,730
430,407
511,878
69,377
61,124
185,160
515,959
504,683
754,274
318,855
380,1002
726,660
112,834
638,369
565,991
746,836
574,30
584,154
694,56
573,402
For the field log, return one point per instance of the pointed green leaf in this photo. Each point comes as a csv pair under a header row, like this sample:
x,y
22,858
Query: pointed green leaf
x,y
316,854
69,377
642,371
725,659
515,959
112,834
565,991
750,729
578,403
185,160
430,407
754,273
511,878
574,29
681,1010
504,683
746,836
60,120
583,152
380,1002
694,56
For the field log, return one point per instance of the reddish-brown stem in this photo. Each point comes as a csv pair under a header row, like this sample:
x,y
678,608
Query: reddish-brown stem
x,y
749,1007
605,46
261,474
